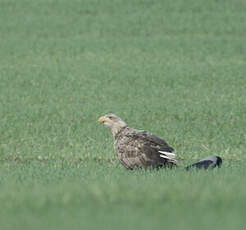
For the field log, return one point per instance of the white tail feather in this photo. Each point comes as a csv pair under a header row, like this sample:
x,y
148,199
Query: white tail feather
x,y
171,155
164,157
168,156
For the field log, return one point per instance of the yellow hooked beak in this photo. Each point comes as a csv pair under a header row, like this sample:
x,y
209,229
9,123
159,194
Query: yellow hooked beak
x,y
102,119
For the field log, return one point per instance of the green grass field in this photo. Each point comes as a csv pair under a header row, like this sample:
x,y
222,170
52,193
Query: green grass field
x,y
175,68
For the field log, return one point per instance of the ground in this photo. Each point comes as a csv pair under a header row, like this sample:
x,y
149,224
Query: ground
x,y
174,68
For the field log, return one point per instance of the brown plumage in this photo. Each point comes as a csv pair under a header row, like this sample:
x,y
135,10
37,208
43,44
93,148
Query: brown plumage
x,y
138,148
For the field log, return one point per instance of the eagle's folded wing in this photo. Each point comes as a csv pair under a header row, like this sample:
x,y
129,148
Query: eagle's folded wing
x,y
149,149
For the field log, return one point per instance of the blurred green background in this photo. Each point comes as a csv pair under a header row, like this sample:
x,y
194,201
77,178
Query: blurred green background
x,y
175,68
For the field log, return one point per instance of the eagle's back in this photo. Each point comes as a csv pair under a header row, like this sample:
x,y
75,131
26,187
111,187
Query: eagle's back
x,y
140,149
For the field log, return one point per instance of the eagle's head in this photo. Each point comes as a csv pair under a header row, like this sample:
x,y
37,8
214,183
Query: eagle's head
x,y
113,122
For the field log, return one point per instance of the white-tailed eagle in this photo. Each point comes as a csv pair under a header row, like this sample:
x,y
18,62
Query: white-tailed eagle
x,y
141,149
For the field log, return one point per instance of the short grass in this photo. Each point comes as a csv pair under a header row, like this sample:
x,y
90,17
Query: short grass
x,y
175,68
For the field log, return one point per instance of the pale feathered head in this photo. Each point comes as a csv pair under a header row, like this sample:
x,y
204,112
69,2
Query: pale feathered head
x,y
113,122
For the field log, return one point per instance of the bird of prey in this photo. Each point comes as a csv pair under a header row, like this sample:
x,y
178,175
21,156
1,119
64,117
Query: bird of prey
x,y
141,149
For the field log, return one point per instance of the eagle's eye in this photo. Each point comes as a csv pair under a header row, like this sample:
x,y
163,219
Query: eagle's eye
x,y
110,117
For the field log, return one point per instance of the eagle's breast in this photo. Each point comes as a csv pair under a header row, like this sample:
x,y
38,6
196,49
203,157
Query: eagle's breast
x,y
128,149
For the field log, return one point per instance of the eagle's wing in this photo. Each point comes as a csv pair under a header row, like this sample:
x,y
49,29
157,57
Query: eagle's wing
x,y
145,149
149,138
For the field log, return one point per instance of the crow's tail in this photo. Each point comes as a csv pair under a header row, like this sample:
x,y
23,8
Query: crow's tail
x,y
206,163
